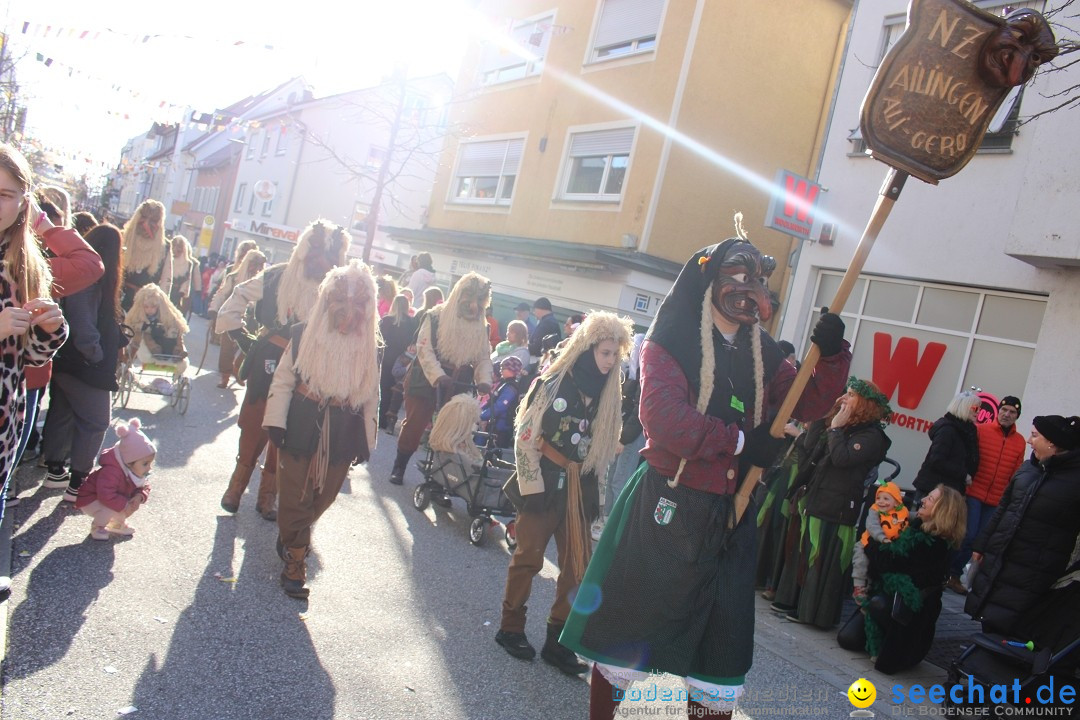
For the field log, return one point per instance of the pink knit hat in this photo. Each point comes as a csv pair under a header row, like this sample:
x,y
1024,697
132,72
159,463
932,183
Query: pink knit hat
x,y
133,444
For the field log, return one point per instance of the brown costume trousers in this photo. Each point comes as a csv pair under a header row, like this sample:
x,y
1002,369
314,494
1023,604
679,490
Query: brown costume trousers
x,y
418,412
299,504
226,355
534,530
253,439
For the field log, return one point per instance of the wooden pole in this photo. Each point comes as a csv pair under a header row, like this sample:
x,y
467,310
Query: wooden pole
x,y
887,196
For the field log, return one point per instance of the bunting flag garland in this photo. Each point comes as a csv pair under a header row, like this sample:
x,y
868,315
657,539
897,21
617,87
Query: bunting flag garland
x,y
46,31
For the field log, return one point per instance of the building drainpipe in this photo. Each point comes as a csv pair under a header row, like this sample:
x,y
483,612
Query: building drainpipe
x,y
796,255
296,174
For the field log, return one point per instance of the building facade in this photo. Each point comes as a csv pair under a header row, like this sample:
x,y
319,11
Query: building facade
x,y
606,141
325,158
971,283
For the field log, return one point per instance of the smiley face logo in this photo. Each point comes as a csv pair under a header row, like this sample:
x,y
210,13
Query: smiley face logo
x,y
862,693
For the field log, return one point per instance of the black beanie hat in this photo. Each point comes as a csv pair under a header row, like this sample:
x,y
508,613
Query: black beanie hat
x,y
1063,432
1012,401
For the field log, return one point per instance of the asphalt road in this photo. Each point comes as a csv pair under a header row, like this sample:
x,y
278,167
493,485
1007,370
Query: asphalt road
x,y
186,620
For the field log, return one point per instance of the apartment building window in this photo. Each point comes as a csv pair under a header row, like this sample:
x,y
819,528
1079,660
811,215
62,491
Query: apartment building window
x,y
268,206
240,197
265,143
1006,121
487,171
596,164
524,57
250,154
376,158
627,27
282,141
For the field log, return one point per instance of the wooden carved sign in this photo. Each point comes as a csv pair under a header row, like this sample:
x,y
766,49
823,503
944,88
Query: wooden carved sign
x,y
938,88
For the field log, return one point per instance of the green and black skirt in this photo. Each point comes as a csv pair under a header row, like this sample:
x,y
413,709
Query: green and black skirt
x,y
670,585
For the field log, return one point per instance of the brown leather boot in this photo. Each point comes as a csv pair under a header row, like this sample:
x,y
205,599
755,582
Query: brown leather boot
x,y
266,505
230,501
294,576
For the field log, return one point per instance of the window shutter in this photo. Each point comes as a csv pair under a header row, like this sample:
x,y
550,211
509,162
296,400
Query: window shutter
x,y
602,142
490,159
625,20
513,157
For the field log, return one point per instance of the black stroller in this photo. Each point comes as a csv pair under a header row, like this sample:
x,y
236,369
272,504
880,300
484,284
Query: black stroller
x,y
1041,664
991,661
449,474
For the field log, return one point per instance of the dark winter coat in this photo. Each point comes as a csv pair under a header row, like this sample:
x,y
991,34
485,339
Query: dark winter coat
x,y
1028,542
545,326
397,339
91,352
952,457
838,482
926,562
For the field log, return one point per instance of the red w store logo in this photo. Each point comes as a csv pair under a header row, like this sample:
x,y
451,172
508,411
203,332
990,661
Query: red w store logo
x,y
902,370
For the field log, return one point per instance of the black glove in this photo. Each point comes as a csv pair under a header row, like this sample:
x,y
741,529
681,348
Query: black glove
x,y
277,436
242,340
828,334
762,449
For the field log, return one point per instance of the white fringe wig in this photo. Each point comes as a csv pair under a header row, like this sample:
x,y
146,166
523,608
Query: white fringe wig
x,y
253,263
142,253
460,341
171,319
455,426
607,426
336,366
296,293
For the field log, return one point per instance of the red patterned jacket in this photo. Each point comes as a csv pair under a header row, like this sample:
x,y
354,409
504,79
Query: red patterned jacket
x,y
675,429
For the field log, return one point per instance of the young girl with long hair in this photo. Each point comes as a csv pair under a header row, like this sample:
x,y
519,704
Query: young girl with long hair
x,y
32,327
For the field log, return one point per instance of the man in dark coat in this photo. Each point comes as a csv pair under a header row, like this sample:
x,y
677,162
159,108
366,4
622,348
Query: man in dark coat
x,y
546,324
1027,545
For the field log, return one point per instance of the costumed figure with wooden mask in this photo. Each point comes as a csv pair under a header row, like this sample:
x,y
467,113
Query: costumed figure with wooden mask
x,y
452,348
670,585
283,295
147,254
566,432
322,413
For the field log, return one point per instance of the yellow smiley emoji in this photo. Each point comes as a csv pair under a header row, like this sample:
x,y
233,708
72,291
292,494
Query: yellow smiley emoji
x,y
862,693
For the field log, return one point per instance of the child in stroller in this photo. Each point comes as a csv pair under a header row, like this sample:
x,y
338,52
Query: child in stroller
x,y
498,415
456,467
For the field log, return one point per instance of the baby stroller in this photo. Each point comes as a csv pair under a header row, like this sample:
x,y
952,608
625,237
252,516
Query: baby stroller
x,y
476,476
990,660
155,375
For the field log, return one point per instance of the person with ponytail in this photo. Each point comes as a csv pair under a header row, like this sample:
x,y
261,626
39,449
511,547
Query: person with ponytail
x,y
32,327
567,431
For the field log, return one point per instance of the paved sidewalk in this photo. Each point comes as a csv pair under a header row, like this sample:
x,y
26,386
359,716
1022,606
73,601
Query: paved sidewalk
x,y
817,652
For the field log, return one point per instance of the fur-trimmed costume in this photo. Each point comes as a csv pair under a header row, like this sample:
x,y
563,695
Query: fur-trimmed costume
x,y
448,344
252,263
322,413
147,255
283,295
567,431
670,586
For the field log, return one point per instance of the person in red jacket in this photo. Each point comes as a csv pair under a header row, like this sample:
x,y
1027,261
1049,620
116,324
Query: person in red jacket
x,y
1001,453
74,266
117,487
